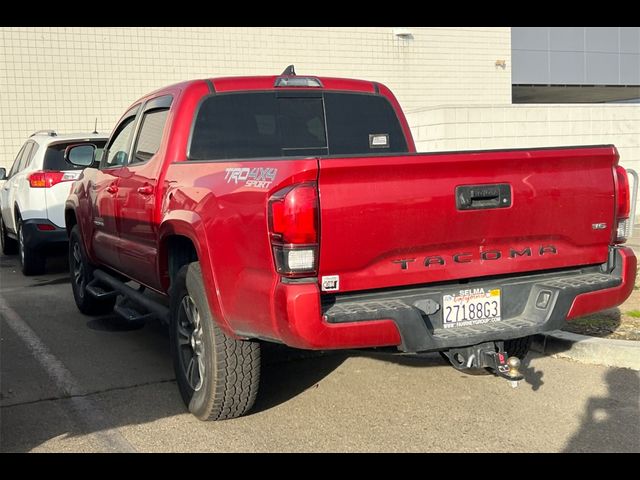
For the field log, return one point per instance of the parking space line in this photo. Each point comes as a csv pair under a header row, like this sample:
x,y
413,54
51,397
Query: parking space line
x,y
84,408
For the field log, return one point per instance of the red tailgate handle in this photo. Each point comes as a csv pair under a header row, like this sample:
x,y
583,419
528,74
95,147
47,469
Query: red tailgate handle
x,y
146,189
112,188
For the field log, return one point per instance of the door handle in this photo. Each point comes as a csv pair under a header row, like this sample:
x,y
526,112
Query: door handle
x,y
14,185
112,188
146,189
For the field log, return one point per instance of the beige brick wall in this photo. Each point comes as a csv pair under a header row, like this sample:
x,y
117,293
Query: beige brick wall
x,y
520,126
65,77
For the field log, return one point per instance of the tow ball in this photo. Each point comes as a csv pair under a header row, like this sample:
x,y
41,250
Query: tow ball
x,y
486,356
508,368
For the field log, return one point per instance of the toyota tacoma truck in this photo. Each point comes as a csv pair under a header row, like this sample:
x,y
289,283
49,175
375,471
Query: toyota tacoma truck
x,y
296,210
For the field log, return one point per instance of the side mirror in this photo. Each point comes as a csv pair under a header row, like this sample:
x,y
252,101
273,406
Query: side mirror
x,y
81,155
3,173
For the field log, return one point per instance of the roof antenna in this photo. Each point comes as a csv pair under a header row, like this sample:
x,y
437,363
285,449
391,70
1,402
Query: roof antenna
x,y
290,70
95,129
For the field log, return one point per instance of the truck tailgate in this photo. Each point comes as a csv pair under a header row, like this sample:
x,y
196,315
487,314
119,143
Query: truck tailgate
x,y
387,221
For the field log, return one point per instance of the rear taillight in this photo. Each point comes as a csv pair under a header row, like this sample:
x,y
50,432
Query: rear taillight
x,y
623,205
293,228
47,179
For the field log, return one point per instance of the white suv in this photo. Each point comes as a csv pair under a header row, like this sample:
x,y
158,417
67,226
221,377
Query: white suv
x,y
33,195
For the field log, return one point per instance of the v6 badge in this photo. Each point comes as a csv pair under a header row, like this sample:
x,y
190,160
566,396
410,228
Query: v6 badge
x,y
330,283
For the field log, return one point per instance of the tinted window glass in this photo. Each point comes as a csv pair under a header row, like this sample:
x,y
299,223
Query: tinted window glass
x,y
54,156
258,125
351,118
302,123
252,125
236,126
118,152
150,135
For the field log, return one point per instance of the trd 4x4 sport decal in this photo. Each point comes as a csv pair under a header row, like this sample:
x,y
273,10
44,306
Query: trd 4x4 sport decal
x,y
256,177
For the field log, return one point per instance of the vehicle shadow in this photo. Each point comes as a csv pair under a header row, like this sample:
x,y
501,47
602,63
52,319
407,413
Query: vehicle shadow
x,y
532,376
605,417
287,372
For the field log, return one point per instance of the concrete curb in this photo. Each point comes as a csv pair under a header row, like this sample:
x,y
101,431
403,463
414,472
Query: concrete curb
x,y
593,350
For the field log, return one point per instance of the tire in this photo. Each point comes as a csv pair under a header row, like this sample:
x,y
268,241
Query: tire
x,y
518,347
32,262
9,245
81,274
218,376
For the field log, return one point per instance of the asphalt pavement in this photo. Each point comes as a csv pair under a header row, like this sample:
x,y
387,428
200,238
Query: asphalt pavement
x,y
71,383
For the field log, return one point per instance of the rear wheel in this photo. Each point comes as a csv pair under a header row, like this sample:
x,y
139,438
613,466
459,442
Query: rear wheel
x,y
81,274
8,244
32,262
218,376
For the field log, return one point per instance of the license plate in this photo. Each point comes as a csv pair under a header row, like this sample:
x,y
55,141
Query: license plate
x,y
474,306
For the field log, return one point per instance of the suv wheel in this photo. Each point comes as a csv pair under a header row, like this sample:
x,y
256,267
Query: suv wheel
x,y
32,262
217,375
9,245
81,274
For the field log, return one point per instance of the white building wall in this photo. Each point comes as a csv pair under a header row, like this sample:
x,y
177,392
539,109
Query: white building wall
x,y
65,77
521,126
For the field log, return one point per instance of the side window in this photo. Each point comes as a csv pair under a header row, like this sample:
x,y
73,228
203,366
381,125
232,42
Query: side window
x,y
26,156
31,155
150,135
16,162
116,154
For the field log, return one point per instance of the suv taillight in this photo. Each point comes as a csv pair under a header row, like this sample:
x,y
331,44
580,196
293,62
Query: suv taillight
x,y
293,229
622,204
47,179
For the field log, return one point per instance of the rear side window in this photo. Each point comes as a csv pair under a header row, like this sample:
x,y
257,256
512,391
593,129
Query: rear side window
x,y
150,135
270,124
26,156
54,156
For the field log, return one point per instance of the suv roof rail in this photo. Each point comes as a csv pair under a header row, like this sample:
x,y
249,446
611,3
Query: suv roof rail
x,y
51,133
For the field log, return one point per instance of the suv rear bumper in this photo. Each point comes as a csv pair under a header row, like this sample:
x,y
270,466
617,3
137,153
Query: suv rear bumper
x,y
36,238
390,317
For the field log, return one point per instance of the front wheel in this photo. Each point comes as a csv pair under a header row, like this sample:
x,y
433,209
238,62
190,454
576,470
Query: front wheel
x,y
81,274
218,376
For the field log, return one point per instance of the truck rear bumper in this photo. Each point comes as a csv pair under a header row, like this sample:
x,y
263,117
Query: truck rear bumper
x,y
391,317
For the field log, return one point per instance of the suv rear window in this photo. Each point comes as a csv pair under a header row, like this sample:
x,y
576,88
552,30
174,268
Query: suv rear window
x,y
54,156
279,124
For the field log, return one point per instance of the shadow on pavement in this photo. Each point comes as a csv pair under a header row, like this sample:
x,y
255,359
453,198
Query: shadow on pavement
x,y
605,416
287,372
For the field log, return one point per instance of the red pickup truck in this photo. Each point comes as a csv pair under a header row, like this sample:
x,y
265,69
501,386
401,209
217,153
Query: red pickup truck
x,y
295,210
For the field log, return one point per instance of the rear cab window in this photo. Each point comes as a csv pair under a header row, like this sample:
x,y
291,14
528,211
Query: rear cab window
x,y
285,123
54,156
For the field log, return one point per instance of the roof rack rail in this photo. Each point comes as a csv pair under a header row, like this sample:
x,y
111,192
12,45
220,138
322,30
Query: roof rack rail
x,y
51,133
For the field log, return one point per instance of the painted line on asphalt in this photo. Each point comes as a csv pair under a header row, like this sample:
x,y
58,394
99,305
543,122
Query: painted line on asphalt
x,y
86,410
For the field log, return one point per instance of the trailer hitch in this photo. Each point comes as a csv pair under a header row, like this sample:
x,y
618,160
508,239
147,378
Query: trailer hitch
x,y
508,368
489,356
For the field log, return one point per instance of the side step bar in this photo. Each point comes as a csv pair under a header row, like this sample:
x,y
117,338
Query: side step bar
x,y
157,310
